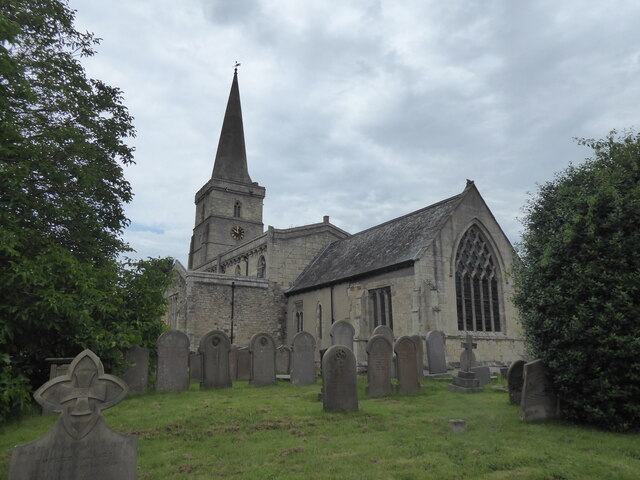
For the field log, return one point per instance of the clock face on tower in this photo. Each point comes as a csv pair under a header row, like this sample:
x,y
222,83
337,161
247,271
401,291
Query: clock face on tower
x,y
237,233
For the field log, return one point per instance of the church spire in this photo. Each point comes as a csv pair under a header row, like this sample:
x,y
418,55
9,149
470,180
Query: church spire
x,y
231,157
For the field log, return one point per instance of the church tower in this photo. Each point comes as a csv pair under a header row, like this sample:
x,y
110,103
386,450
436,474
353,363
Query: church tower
x,y
229,205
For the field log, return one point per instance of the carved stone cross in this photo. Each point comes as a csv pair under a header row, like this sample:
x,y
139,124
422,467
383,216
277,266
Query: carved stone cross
x,y
468,359
469,345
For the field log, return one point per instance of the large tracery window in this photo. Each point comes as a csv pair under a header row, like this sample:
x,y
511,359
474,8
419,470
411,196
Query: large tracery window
x,y
476,284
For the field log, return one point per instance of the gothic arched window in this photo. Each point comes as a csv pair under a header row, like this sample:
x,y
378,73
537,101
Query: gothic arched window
x,y
477,276
262,267
236,209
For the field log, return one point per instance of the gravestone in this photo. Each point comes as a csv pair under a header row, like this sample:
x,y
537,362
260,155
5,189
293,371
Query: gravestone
x,y
214,348
417,341
408,383
195,367
388,334
80,445
303,365
436,360
283,360
173,361
483,374
339,380
379,354
515,381
263,360
342,334
538,400
137,373
468,358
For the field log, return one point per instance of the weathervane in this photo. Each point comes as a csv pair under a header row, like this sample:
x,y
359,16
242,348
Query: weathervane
x,y
235,67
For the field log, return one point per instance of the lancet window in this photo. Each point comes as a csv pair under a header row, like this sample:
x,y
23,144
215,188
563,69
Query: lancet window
x,y
380,307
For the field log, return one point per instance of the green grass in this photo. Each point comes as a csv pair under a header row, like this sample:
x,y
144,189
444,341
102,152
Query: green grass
x,y
282,433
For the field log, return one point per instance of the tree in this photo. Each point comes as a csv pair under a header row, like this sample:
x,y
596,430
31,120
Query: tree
x,y
578,283
62,191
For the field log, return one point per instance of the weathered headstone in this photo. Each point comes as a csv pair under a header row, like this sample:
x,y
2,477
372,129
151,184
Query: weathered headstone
x,y
436,360
195,367
214,348
339,380
408,382
342,334
538,400
379,354
483,374
80,445
263,360
468,358
417,341
515,381
137,373
388,334
303,367
283,360
173,361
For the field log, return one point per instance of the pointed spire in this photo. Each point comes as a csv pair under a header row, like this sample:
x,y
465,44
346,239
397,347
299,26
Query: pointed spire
x,y
231,157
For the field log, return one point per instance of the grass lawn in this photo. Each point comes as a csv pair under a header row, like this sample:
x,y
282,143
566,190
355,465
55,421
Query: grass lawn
x,y
282,433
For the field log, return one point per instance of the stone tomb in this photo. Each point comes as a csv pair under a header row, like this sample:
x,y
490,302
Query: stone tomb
x,y
303,367
379,354
263,360
483,374
466,381
515,380
417,341
283,360
538,400
80,445
339,380
408,383
436,360
214,348
342,334
173,361
137,373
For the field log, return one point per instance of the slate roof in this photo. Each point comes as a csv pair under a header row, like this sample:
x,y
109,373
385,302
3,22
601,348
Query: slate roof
x,y
391,245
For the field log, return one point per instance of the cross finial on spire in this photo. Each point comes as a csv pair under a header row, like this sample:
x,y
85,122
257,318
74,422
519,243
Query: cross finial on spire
x,y
235,68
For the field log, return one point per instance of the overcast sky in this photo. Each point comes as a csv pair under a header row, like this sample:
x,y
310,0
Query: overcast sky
x,y
361,110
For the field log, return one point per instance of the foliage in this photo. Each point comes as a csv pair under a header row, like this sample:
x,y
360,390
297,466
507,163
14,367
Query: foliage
x,y
578,285
62,191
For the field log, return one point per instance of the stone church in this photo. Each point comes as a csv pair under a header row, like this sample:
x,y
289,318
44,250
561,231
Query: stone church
x,y
444,267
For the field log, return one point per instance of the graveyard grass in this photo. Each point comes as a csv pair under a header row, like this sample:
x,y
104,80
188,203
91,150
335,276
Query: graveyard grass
x,y
282,432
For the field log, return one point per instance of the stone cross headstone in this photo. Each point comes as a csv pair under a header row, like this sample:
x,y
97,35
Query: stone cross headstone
x,y
515,381
80,445
436,360
173,361
214,348
408,382
379,354
195,367
468,358
538,400
342,334
303,365
263,360
339,380
419,355
283,360
137,373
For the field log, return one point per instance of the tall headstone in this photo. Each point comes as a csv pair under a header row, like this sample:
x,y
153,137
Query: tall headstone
x,y
408,382
388,334
173,361
379,354
80,445
538,400
263,360
515,381
137,373
303,365
195,367
342,334
283,360
417,341
435,352
339,380
214,348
